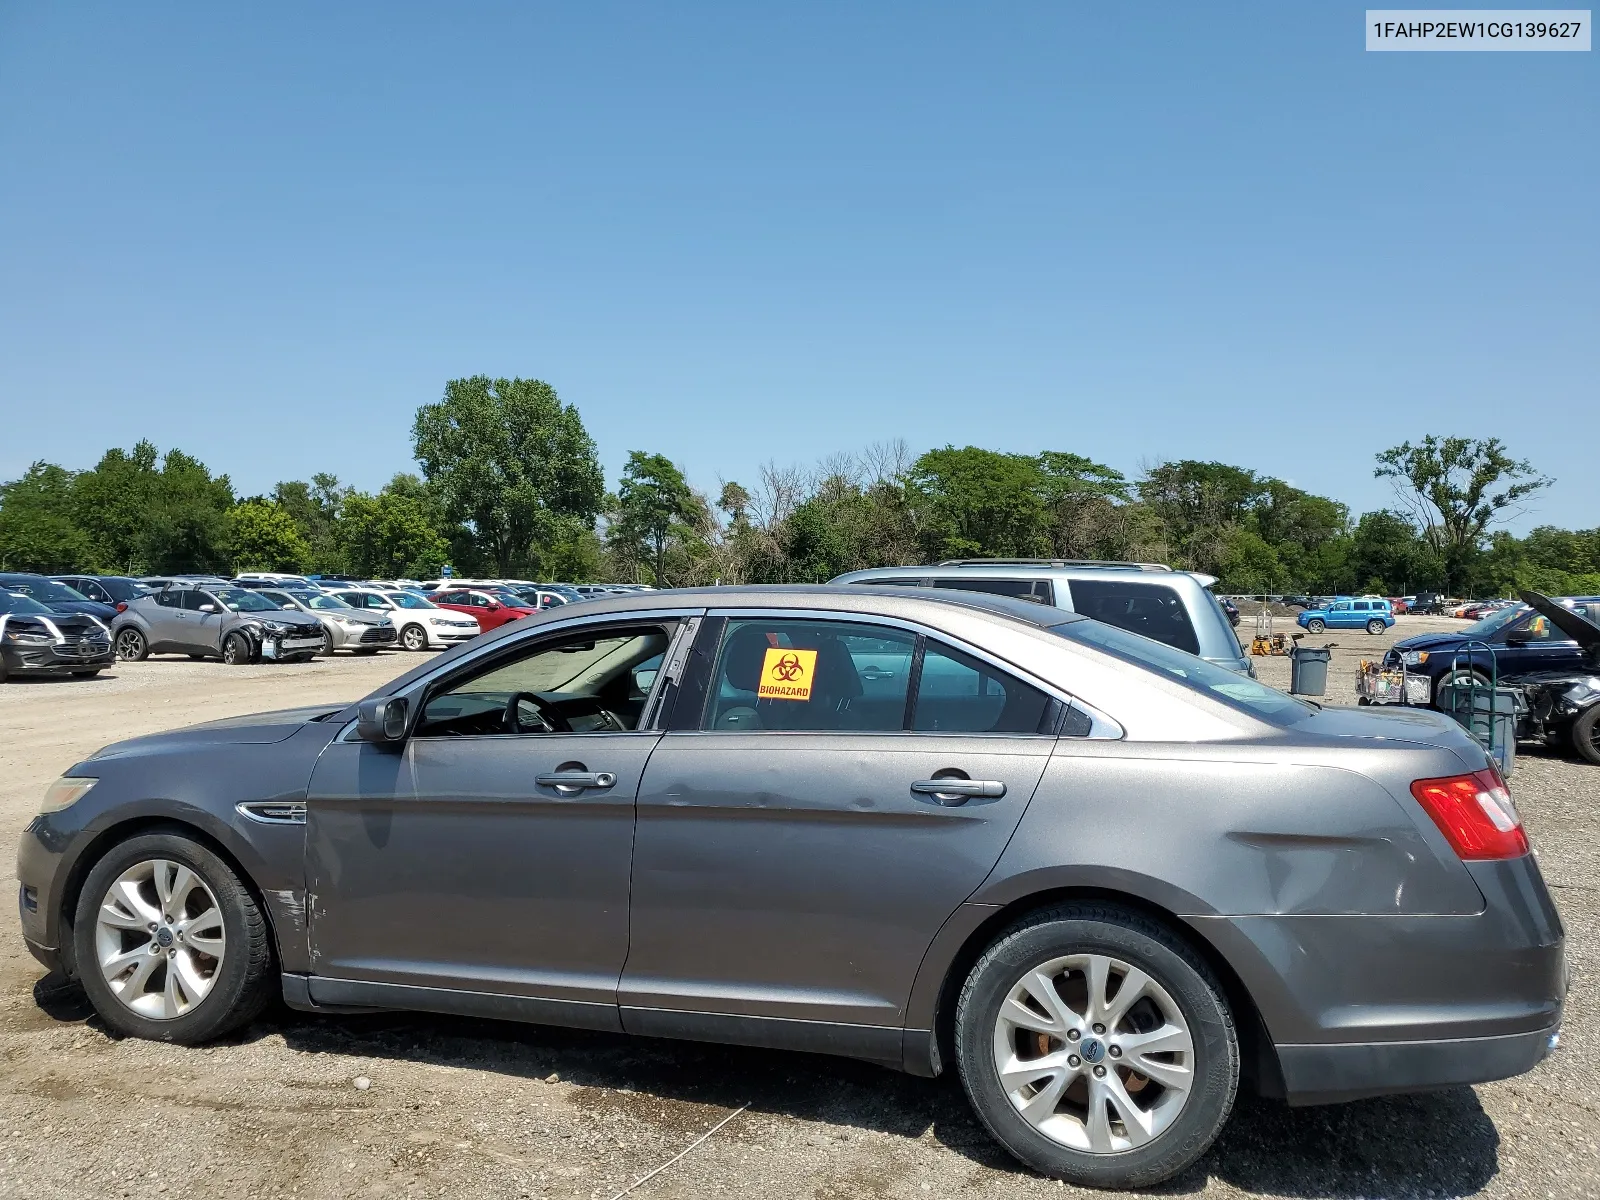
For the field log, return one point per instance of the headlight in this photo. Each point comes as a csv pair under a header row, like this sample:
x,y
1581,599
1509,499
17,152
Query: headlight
x,y
64,793
1414,658
24,637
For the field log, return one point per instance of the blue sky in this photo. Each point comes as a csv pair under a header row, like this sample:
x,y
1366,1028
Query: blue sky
x,y
734,232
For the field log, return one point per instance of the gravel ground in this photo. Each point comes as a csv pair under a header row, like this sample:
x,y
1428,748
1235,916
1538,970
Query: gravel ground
x,y
298,1106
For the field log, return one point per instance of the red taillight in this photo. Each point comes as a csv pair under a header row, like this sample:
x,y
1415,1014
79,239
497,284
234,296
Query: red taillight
x,y
1475,814
122,606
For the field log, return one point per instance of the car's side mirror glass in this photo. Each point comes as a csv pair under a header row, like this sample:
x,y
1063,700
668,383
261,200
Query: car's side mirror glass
x,y
286,606
382,720
208,608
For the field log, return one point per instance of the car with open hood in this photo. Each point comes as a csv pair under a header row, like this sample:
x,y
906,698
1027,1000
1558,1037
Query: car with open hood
x,y
1103,881
1513,641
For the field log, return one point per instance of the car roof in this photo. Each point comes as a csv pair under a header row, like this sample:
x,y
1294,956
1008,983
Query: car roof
x,y
1032,568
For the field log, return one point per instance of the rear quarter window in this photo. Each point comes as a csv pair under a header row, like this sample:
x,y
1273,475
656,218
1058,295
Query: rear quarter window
x,y
1151,610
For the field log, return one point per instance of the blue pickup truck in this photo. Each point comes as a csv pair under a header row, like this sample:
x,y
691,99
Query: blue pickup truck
x,y
1372,615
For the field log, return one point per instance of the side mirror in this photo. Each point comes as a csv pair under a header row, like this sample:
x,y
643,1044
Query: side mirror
x,y
287,607
208,608
382,720
492,605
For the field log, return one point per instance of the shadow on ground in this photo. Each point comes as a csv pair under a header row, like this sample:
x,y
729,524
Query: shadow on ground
x,y
1436,1145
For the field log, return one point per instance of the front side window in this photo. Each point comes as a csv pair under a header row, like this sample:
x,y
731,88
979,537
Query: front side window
x,y
957,693
170,598
1151,610
596,681
1538,628
811,675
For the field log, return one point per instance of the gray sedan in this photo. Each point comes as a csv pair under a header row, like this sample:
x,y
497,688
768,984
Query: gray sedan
x,y
347,627
1104,881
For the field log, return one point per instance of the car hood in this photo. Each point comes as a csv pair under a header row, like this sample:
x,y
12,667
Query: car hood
x,y
257,728
283,616
1430,641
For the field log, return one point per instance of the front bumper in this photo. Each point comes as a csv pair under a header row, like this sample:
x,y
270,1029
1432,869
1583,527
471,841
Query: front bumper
x,y
449,636
55,659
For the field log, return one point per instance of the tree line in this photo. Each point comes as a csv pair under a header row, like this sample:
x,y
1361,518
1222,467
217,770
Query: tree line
x,y
509,484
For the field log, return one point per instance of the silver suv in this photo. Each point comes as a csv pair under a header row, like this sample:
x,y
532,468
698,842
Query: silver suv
x,y
1175,607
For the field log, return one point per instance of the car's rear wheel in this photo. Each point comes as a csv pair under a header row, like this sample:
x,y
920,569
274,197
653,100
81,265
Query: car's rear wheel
x,y
1586,735
414,638
235,649
131,646
169,943
1096,1046
1316,625
1375,626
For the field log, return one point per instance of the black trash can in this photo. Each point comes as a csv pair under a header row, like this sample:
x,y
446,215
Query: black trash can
x,y
1308,670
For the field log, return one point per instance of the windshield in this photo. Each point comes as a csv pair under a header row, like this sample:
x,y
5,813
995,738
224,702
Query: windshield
x,y
326,601
10,602
409,600
1494,622
47,590
242,600
511,600
1240,691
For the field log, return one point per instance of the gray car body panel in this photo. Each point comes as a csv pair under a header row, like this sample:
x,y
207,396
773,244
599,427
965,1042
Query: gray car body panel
x,y
1292,854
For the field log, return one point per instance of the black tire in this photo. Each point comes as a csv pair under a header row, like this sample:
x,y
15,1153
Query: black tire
x,y
1316,625
1449,677
414,638
1586,735
236,650
243,982
1139,942
327,644
131,645
1375,626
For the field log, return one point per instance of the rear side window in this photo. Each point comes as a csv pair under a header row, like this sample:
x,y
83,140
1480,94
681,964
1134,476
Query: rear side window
x,y
1148,609
959,694
811,675
1037,590
169,599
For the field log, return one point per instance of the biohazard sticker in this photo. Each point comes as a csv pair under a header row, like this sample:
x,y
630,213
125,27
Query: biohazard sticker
x,y
786,674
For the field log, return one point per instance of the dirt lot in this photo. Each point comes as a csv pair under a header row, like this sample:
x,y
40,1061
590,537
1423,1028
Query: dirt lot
x,y
403,1106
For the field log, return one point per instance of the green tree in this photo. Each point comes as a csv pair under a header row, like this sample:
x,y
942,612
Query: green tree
x,y
315,509
655,509
264,537
512,464
37,529
1455,489
390,535
971,502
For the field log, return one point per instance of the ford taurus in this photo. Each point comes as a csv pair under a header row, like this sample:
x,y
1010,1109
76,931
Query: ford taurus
x,y
1105,881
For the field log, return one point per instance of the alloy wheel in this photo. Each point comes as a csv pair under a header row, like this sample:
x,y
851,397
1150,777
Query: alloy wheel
x,y
130,645
414,638
159,939
1094,1053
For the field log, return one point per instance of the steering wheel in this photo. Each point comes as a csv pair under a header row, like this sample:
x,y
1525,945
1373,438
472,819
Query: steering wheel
x,y
554,722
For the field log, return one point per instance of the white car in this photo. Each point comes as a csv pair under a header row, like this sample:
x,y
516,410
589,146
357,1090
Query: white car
x,y
419,623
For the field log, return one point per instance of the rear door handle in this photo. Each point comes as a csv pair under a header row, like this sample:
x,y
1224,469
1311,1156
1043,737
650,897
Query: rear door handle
x,y
576,781
952,792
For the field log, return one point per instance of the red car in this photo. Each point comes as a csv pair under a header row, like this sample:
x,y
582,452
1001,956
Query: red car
x,y
492,606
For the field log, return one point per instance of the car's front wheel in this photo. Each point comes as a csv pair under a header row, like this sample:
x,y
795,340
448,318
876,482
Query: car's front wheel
x,y
1097,1047
1316,625
1586,734
131,646
235,649
414,638
169,943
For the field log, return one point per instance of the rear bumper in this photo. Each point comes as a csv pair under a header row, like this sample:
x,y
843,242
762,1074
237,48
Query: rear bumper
x,y
1353,1071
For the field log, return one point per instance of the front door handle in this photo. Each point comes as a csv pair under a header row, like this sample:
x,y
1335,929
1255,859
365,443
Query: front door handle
x,y
951,792
576,781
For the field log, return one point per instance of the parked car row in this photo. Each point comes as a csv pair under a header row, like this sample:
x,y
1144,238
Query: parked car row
x,y
78,625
